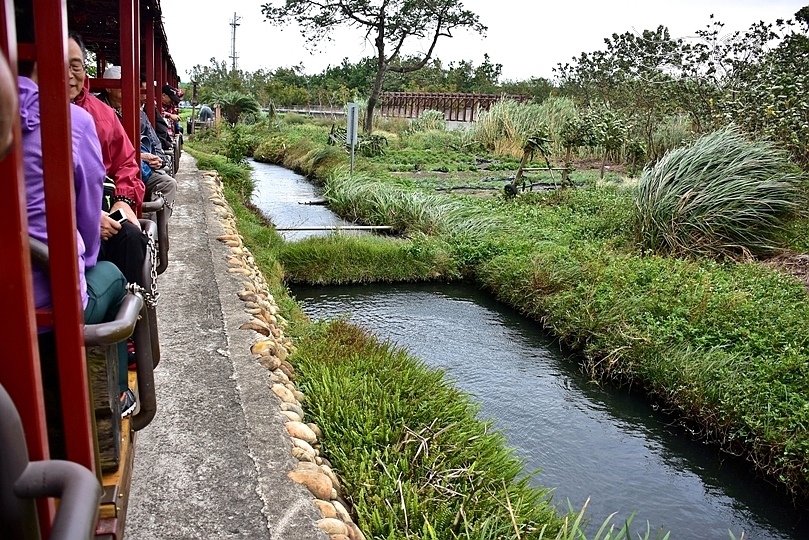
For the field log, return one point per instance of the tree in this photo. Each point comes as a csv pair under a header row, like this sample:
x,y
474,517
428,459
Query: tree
x,y
234,104
388,23
216,78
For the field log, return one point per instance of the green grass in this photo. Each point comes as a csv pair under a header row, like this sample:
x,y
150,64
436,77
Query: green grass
x,y
568,258
340,259
415,461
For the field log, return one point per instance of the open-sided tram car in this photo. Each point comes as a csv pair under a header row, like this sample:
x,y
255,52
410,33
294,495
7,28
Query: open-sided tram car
x,y
67,408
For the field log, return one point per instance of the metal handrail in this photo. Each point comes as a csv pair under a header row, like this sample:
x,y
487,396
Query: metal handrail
x,y
145,372
120,328
157,206
148,276
22,481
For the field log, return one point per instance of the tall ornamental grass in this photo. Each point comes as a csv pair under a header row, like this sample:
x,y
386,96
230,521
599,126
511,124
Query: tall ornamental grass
x,y
506,126
720,196
364,199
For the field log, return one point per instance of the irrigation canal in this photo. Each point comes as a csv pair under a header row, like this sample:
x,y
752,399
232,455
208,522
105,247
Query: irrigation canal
x,y
586,440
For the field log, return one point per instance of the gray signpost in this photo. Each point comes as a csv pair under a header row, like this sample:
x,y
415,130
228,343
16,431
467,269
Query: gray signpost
x,y
352,123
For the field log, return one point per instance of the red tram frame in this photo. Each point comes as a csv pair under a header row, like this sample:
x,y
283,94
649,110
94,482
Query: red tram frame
x,y
133,37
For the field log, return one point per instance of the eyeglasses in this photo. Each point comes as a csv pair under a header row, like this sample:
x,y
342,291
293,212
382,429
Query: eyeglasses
x,y
77,68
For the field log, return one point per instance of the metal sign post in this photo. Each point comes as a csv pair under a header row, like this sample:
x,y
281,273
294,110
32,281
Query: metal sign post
x,y
352,123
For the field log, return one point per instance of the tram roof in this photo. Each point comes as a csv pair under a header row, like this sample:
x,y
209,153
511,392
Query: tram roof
x,y
98,23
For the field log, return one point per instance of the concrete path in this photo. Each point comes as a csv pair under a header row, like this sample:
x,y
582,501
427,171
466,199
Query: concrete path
x,y
214,462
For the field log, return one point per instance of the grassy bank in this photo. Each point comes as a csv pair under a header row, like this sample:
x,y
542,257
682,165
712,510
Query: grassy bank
x,y
414,459
721,343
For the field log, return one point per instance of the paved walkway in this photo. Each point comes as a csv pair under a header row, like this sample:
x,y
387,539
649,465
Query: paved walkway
x,y
214,462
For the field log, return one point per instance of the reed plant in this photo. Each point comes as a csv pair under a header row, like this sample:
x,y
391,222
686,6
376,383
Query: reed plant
x,y
345,258
506,126
723,195
428,120
672,132
364,199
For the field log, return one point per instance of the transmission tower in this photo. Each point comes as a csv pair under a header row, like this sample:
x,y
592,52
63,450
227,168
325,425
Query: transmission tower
x,y
233,56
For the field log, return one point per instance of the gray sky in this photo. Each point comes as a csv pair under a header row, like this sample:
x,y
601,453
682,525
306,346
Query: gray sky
x,y
528,37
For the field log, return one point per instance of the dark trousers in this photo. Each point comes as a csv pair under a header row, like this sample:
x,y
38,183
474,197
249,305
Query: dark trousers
x,y
105,289
127,251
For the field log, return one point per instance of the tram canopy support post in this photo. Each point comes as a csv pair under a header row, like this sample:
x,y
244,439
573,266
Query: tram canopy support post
x,y
60,202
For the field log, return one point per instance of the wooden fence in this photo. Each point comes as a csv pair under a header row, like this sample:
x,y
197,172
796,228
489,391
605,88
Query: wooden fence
x,y
456,107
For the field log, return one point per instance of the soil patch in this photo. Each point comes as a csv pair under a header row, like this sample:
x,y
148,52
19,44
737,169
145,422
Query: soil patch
x,y
794,264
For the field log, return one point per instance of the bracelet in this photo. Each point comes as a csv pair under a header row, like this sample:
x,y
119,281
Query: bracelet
x,y
127,200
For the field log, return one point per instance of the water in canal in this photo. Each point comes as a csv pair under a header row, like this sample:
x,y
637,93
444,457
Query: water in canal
x,y
589,441
284,196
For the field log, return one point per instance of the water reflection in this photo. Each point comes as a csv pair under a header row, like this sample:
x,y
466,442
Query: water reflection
x,y
603,443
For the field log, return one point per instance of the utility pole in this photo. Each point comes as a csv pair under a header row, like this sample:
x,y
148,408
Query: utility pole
x,y
233,56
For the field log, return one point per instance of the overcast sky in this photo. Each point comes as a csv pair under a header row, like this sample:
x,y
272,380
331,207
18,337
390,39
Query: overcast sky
x,y
528,37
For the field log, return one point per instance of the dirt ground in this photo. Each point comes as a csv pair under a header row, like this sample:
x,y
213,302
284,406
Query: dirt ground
x,y
794,264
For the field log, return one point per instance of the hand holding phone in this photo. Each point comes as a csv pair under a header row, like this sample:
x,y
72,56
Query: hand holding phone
x,y
119,216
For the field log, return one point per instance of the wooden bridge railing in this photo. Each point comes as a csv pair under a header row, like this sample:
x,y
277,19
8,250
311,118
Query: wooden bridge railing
x,y
458,107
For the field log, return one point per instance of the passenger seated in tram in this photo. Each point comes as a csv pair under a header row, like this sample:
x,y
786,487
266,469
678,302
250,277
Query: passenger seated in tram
x,y
125,246
171,100
101,284
161,127
155,174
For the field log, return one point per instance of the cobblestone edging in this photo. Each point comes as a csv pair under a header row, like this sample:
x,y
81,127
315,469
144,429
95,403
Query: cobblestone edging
x,y
271,349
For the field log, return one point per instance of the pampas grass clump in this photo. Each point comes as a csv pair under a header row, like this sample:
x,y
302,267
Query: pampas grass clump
x,y
721,196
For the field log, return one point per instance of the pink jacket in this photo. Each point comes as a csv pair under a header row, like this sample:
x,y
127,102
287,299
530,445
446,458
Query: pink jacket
x,y
120,159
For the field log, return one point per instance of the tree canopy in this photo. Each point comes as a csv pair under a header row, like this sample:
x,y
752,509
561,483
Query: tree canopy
x,y
391,25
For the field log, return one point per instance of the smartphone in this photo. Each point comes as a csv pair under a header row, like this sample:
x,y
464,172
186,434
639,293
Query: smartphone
x,y
119,216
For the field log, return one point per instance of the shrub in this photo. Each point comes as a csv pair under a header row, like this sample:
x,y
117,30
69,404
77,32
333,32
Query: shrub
x,y
722,195
428,121
234,176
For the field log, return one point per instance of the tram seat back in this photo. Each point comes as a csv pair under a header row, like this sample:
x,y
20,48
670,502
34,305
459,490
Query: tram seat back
x,y
22,481
157,206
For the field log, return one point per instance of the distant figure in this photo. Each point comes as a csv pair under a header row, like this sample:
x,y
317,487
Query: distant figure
x,y
205,115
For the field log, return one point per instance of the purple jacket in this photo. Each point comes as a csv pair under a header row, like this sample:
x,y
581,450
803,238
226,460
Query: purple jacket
x,y
88,178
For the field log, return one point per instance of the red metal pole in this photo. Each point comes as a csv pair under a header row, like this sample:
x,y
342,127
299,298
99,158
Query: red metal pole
x,y
51,28
19,373
149,62
130,47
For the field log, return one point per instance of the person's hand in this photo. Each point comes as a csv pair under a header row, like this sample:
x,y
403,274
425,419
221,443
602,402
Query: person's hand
x,y
130,213
174,117
109,227
152,160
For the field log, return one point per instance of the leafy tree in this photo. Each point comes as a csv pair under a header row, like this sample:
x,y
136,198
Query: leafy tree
x,y
772,100
357,78
756,79
538,87
389,23
216,78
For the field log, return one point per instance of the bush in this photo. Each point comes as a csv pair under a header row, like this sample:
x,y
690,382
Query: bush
x,y
234,175
722,195
428,121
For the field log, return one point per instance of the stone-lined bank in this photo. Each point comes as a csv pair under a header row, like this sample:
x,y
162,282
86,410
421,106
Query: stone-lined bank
x,y
271,349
